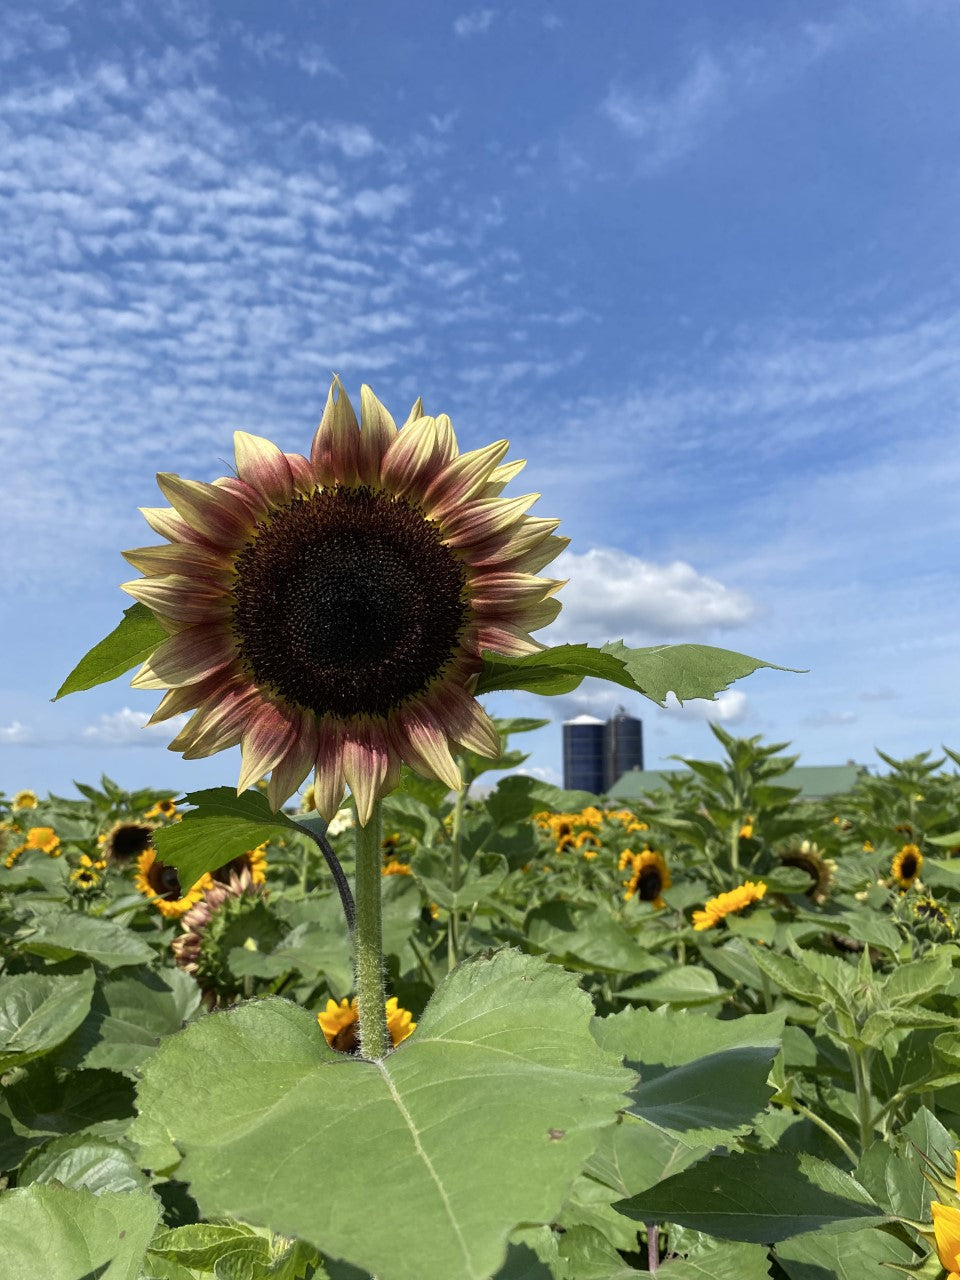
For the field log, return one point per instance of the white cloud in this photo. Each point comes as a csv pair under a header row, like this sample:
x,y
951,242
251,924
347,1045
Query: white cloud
x,y
729,707
882,694
352,140
126,726
612,595
14,732
474,23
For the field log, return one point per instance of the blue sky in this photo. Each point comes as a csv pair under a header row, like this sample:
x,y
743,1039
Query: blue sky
x,y
698,263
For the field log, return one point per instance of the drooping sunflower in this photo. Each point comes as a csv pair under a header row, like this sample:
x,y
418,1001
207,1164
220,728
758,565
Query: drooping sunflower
x,y
649,877
160,883
331,613
725,904
229,914
125,841
340,1024
946,1228
906,865
808,856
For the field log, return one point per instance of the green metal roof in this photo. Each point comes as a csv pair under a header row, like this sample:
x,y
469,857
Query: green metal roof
x,y
813,781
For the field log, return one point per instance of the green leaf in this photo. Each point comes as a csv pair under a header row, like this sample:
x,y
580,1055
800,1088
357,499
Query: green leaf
x,y
721,1260
483,1118
129,1017
759,1197
81,1161
220,828
484,876
909,984
55,1232
682,985
43,1103
59,935
687,670
131,642
38,1012
849,1255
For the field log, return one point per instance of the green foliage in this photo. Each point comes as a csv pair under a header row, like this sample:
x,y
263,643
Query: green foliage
x,y
131,641
38,1012
222,826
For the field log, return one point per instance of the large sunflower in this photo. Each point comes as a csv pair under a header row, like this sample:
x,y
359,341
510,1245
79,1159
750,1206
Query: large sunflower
x,y
332,612
946,1227
160,883
906,866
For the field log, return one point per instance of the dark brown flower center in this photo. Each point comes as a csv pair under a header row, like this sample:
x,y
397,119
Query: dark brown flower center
x,y
649,884
908,866
164,881
347,1039
348,602
128,841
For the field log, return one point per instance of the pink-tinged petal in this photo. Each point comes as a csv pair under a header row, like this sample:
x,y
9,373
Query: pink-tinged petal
x,y
377,432
176,701
265,743
508,640
220,516
328,783
182,599
467,722
502,477
501,550
415,412
219,723
462,479
537,557
264,466
190,559
366,763
413,459
509,590
420,740
446,437
188,656
248,495
333,454
480,520
302,473
166,522
301,756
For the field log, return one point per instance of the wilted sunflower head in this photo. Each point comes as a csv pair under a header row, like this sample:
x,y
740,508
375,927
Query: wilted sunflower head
x,y
905,867
229,914
125,841
331,612
253,864
160,883
808,857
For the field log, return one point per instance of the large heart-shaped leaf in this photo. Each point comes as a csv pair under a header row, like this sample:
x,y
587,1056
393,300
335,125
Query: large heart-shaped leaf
x,y
481,1120
38,1012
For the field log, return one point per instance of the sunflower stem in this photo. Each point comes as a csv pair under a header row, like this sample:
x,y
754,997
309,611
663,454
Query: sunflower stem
x,y
368,941
453,941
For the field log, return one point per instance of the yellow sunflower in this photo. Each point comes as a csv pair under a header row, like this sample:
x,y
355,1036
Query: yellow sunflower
x,y
395,868
340,1023
160,883
726,904
25,800
932,911
650,876
906,866
45,839
254,861
946,1227
746,830
331,613
162,809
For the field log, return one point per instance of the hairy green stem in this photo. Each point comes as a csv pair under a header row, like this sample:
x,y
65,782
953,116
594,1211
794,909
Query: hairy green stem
x,y
368,941
860,1066
827,1128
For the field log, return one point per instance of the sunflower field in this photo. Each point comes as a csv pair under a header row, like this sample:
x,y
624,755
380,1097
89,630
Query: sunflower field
x,y
714,1034
363,1016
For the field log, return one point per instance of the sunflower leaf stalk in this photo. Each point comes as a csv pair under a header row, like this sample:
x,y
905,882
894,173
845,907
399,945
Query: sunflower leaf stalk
x,y
368,940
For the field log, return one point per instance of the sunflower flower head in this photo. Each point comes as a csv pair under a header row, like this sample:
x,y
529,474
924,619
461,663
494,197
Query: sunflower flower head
x,y
87,877
935,915
160,885
45,839
395,868
125,841
946,1228
230,913
163,809
730,903
252,863
331,612
25,800
649,876
808,856
340,1024
906,866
